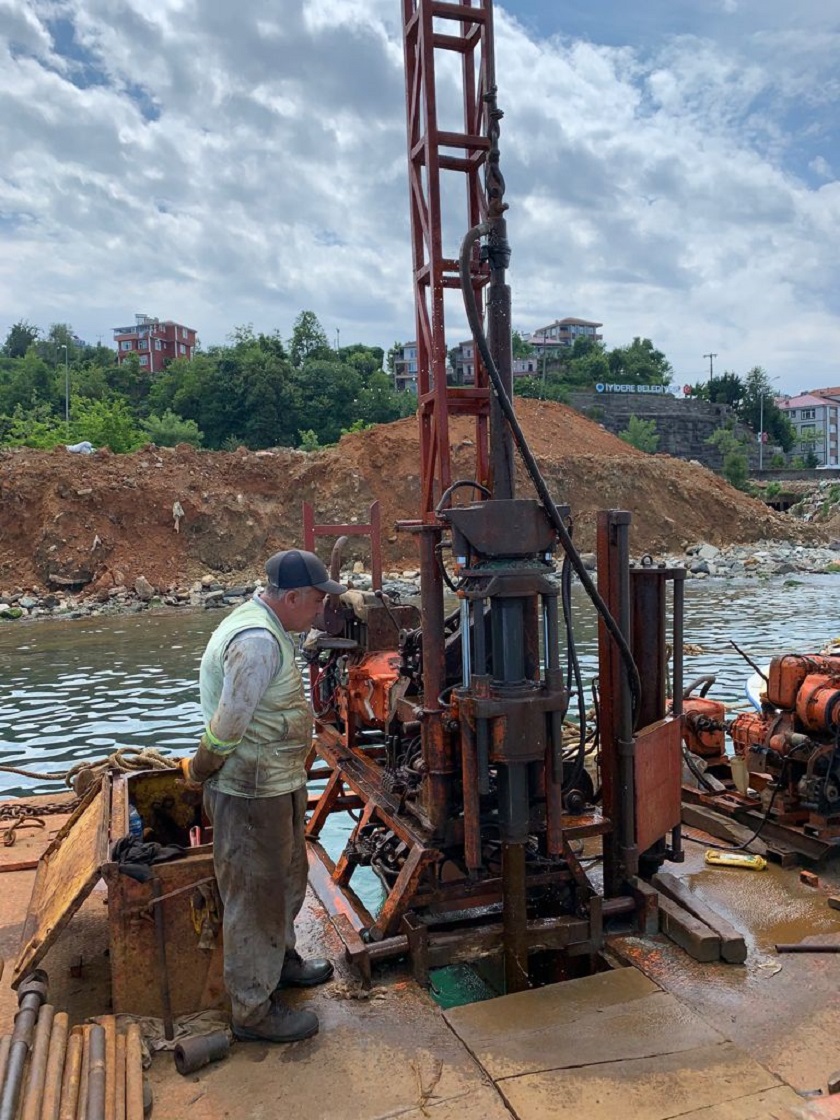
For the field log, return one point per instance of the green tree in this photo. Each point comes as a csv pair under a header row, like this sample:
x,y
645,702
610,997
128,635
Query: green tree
x,y
808,440
758,403
522,348
365,360
331,391
21,336
309,441
377,403
36,426
132,381
170,429
28,381
552,389
106,423
640,362
641,434
309,340
733,449
727,389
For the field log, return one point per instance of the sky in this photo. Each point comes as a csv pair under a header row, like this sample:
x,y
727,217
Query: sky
x,y
672,171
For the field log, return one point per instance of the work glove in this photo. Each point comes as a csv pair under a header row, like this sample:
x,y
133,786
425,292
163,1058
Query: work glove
x,y
207,760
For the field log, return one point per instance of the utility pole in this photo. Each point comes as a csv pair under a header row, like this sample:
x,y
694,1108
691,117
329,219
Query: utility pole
x,y
711,358
63,347
764,389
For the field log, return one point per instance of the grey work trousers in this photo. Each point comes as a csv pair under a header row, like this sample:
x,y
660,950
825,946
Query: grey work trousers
x,y
259,856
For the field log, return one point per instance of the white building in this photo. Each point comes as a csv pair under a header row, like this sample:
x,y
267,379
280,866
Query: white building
x,y
814,417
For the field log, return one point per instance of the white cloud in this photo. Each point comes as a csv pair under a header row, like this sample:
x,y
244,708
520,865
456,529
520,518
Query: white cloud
x,y
221,164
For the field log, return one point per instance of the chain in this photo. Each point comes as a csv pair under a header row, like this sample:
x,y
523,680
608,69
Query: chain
x,y
30,816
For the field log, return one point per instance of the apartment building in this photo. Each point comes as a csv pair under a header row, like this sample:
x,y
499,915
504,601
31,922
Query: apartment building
x,y
405,367
464,363
814,417
155,342
564,333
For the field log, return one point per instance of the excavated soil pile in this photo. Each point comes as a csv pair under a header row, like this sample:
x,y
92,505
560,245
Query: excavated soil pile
x,y
98,521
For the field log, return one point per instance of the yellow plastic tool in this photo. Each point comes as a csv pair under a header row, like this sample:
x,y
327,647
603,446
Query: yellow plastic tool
x,y
735,859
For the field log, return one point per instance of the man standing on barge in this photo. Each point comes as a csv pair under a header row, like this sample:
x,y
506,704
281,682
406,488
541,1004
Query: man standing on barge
x,y
251,758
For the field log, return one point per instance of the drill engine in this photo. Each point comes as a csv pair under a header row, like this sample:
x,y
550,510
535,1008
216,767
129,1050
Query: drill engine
x,y
795,739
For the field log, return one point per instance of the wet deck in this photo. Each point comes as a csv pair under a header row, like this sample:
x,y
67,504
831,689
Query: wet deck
x,y
668,1038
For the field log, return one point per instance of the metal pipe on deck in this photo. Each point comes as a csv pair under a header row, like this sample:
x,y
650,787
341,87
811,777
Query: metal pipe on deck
x,y
81,1103
34,1092
5,1043
95,1104
514,917
71,1076
109,1024
119,1078
55,1065
133,1074
32,993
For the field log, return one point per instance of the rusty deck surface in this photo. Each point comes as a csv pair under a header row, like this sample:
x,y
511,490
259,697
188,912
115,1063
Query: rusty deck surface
x,y
668,1038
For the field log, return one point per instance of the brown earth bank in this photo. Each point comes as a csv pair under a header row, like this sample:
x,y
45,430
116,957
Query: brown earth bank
x,y
97,521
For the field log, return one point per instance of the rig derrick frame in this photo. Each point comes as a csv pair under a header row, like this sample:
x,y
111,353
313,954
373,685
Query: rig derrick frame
x,y
445,732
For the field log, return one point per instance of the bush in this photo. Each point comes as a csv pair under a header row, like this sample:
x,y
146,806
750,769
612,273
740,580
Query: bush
x,y
309,441
641,434
735,469
170,429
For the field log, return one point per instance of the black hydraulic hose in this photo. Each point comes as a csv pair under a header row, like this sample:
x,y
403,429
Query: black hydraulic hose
x,y
573,673
754,835
458,485
531,466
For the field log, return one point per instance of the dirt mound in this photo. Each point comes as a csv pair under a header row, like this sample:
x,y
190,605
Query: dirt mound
x,y
102,520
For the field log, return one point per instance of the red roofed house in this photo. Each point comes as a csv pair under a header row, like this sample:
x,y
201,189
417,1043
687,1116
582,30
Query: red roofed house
x,y
154,342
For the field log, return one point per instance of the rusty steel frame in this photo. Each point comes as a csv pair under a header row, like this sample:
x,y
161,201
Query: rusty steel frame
x,y
372,530
431,151
437,824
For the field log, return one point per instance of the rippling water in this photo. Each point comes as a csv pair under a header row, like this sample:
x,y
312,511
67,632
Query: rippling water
x,y
74,690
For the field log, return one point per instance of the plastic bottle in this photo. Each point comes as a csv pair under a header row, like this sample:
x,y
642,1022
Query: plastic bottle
x,y
135,823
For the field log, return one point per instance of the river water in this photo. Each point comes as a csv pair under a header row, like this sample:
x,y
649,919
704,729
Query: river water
x,y
73,690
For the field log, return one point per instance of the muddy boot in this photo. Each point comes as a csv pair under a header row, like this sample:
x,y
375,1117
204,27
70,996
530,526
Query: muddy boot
x,y
281,1024
298,973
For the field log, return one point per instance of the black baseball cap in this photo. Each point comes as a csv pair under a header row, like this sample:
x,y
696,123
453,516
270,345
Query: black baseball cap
x,y
296,568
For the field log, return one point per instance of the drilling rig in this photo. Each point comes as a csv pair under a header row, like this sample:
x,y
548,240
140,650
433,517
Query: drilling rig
x,y
442,726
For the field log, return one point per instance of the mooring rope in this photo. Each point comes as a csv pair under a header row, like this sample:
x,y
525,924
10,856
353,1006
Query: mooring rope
x,y
83,775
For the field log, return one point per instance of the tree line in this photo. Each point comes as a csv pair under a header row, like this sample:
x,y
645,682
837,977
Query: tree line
x,y
256,391
261,390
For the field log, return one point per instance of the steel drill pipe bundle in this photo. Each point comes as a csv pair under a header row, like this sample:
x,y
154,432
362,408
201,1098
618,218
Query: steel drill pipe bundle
x,y
119,1079
81,1104
34,1092
32,993
96,1079
70,1077
5,1043
133,1074
55,1067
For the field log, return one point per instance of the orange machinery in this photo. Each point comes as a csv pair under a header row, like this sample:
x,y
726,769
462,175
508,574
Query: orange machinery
x,y
794,739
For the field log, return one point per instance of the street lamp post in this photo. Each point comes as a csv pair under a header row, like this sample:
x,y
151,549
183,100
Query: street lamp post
x,y
761,427
66,387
